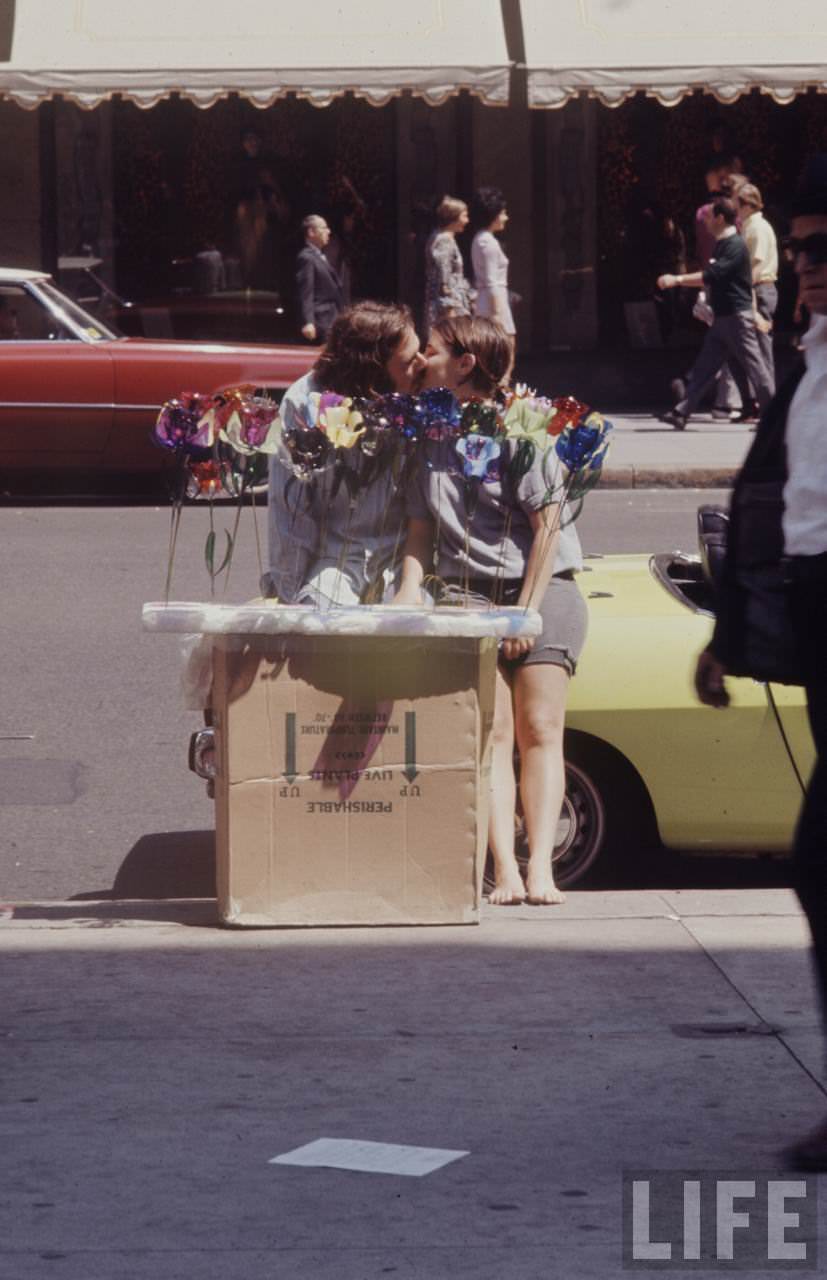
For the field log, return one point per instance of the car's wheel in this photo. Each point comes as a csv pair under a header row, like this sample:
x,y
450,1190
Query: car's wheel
x,y
581,828
605,809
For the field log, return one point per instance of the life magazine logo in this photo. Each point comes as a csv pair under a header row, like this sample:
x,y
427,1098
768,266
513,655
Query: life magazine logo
x,y
6,29
684,1220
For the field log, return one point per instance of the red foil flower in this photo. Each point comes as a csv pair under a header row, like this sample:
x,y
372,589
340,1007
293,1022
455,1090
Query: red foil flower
x,y
204,479
569,412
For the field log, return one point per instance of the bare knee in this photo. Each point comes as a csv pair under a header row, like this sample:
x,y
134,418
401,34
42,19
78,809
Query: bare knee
x,y
502,728
540,727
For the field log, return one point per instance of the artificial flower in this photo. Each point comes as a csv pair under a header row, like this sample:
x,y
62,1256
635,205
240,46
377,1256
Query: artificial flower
x,y
569,412
531,418
252,426
204,479
304,450
404,414
584,445
340,421
439,405
176,426
479,454
480,418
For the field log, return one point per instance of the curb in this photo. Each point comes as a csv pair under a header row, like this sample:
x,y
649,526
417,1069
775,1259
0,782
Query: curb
x,y
668,478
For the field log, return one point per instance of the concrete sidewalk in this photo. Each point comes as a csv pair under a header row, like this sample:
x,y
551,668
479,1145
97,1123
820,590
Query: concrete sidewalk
x,y
646,453
154,1063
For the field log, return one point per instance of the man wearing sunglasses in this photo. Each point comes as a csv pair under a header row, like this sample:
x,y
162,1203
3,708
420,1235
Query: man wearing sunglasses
x,y
786,528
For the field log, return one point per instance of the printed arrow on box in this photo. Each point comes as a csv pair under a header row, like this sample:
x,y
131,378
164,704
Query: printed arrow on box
x,y
290,746
410,771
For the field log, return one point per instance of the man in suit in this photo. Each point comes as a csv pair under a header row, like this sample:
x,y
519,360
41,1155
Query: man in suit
x,y
778,514
321,297
727,277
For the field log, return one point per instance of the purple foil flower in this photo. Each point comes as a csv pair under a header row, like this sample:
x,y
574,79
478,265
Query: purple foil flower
x,y
177,423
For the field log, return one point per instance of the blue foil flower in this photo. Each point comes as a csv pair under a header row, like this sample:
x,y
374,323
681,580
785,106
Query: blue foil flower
x,y
480,455
439,405
585,444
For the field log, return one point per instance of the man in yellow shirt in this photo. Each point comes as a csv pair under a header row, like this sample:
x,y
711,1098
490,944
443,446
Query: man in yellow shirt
x,y
763,251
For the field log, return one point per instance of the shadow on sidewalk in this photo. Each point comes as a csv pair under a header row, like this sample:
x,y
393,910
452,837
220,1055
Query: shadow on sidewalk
x,y
163,865
98,913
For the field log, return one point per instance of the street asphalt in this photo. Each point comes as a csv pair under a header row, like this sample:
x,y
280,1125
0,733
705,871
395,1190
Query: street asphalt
x,y
155,1063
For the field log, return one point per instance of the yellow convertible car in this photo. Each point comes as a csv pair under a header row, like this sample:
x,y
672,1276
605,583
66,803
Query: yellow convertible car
x,y
646,762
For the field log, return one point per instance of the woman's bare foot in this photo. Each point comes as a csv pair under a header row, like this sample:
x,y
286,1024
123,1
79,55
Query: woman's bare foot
x,y
542,891
509,890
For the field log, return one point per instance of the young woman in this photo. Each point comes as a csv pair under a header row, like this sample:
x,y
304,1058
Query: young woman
x,y
447,292
508,547
489,260
330,542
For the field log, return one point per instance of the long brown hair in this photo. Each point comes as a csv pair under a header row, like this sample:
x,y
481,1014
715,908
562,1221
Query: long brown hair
x,y
487,341
360,344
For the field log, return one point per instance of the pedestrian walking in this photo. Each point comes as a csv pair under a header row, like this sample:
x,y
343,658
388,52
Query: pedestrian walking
x,y
320,290
721,176
447,291
489,259
778,528
727,278
762,244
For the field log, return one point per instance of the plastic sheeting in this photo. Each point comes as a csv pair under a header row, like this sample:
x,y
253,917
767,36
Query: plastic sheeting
x,y
361,620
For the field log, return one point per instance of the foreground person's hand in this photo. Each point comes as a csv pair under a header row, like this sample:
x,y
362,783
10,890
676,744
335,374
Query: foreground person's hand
x,y
516,646
709,681
411,597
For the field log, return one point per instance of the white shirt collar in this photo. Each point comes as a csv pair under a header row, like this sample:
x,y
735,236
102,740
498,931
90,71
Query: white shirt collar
x,y
814,340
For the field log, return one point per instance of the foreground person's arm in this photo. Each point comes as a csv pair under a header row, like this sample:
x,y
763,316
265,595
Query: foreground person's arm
x,y
415,561
545,526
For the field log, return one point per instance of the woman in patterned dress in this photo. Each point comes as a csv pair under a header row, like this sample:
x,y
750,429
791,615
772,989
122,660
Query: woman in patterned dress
x,y
447,291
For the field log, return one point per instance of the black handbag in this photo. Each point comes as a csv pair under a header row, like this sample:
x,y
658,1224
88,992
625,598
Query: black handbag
x,y
767,647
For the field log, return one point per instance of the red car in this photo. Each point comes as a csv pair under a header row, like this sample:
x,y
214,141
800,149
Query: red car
x,y
75,395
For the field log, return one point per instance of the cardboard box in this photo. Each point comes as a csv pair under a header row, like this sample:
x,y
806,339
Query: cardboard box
x,y
353,778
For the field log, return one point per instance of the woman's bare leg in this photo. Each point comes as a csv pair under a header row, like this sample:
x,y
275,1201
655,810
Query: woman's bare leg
x,y
508,883
540,691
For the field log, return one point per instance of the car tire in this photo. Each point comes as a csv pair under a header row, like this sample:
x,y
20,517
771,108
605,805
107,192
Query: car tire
x,y
607,825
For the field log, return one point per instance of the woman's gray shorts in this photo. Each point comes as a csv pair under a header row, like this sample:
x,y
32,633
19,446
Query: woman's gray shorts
x,y
562,609
565,622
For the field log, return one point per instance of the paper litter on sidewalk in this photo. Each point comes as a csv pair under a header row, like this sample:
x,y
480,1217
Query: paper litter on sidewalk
x,y
369,1157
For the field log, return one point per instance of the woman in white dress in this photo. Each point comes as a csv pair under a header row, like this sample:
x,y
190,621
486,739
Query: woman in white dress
x,y
489,260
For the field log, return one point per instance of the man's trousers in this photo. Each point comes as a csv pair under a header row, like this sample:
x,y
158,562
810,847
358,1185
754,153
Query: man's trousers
x,y
733,338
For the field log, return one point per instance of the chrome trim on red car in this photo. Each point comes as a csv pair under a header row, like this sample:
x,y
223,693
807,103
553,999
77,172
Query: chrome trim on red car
x,y
83,404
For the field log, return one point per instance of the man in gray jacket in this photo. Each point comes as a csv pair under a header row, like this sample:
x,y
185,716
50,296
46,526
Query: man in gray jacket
x,y
321,297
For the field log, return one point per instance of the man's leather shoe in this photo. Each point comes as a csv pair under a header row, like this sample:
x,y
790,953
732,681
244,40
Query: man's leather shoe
x,y
749,413
810,1154
675,419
